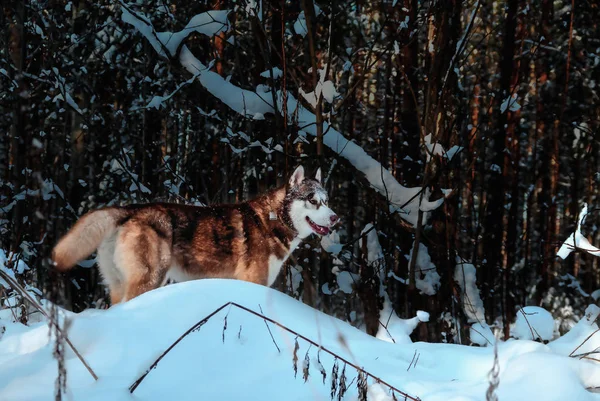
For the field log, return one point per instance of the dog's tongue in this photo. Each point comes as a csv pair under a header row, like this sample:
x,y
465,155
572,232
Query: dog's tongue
x,y
321,230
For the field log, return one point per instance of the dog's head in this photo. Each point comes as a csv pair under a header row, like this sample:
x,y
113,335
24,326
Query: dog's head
x,y
307,205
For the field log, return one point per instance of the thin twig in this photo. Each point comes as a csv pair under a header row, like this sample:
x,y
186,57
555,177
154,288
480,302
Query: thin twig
x,y
584,341
411,362
268,328
534,332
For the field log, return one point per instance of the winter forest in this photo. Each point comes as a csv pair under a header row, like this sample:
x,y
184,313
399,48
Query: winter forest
x,y
457,141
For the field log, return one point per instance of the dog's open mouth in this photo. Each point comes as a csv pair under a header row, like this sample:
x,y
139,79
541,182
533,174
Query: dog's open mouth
x,y
321,230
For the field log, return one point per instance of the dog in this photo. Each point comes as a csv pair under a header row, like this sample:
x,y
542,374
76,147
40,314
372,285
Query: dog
x,y
140,246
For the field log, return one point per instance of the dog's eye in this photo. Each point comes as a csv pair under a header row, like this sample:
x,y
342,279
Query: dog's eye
x,y
312,201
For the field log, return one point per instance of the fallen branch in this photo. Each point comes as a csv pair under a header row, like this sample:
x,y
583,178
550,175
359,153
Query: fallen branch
x,y
320,347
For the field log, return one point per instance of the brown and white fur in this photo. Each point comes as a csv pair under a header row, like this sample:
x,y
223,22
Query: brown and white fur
x,y
140,246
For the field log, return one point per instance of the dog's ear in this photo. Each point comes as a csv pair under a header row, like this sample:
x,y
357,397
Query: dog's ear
x,y
318,175
297,177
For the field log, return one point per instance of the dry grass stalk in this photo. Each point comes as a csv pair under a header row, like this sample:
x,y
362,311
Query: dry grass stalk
x,y
341,386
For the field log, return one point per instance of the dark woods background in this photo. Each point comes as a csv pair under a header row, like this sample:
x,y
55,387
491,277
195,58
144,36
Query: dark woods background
x,y
403,69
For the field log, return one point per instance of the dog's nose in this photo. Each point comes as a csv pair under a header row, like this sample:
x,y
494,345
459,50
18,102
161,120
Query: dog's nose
x,y
334,219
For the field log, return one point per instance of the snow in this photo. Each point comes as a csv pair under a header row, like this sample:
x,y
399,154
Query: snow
x,y
252,8
39,31
433,149
465,275
391,328
158,101
277,73
345,281
331,243
329,92
403,200
532,376
245,102
534,323
579,334
453,151
300,26
422,316
64,95
510,103
209,23
144,26
20,267
232,356
166,43
580,132
374,250
324,88
427,279
577,240
394,329
481,334
6,270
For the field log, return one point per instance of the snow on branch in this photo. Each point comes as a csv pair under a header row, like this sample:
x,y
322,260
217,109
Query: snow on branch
x,y
209,23
427,279
406,201
577,240
144,26
158,101
391,327
245,102
465,274
166,44
64,95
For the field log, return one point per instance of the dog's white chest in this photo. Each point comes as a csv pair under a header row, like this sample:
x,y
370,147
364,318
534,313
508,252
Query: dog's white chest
x,y
275,263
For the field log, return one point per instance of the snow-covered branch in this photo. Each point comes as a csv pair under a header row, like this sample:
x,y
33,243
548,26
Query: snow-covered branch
x,y
251,104
166,44
245,102
577,240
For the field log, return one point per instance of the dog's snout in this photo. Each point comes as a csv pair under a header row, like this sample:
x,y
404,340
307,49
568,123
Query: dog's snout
x,y
334,219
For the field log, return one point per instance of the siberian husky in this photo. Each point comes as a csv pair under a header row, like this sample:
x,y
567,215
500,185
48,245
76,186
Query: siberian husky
x,y
141,245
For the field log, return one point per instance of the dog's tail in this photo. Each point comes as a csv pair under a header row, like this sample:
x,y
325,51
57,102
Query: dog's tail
x,y
85,237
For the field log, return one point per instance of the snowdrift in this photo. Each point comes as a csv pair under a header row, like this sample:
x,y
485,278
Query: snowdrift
x,y
236,355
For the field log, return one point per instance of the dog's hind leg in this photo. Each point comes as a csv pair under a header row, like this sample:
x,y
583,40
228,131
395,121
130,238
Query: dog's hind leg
x,y
116,294
143,257
112,276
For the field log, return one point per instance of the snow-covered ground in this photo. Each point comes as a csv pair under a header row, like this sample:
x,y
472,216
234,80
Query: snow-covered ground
x,y
237,358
